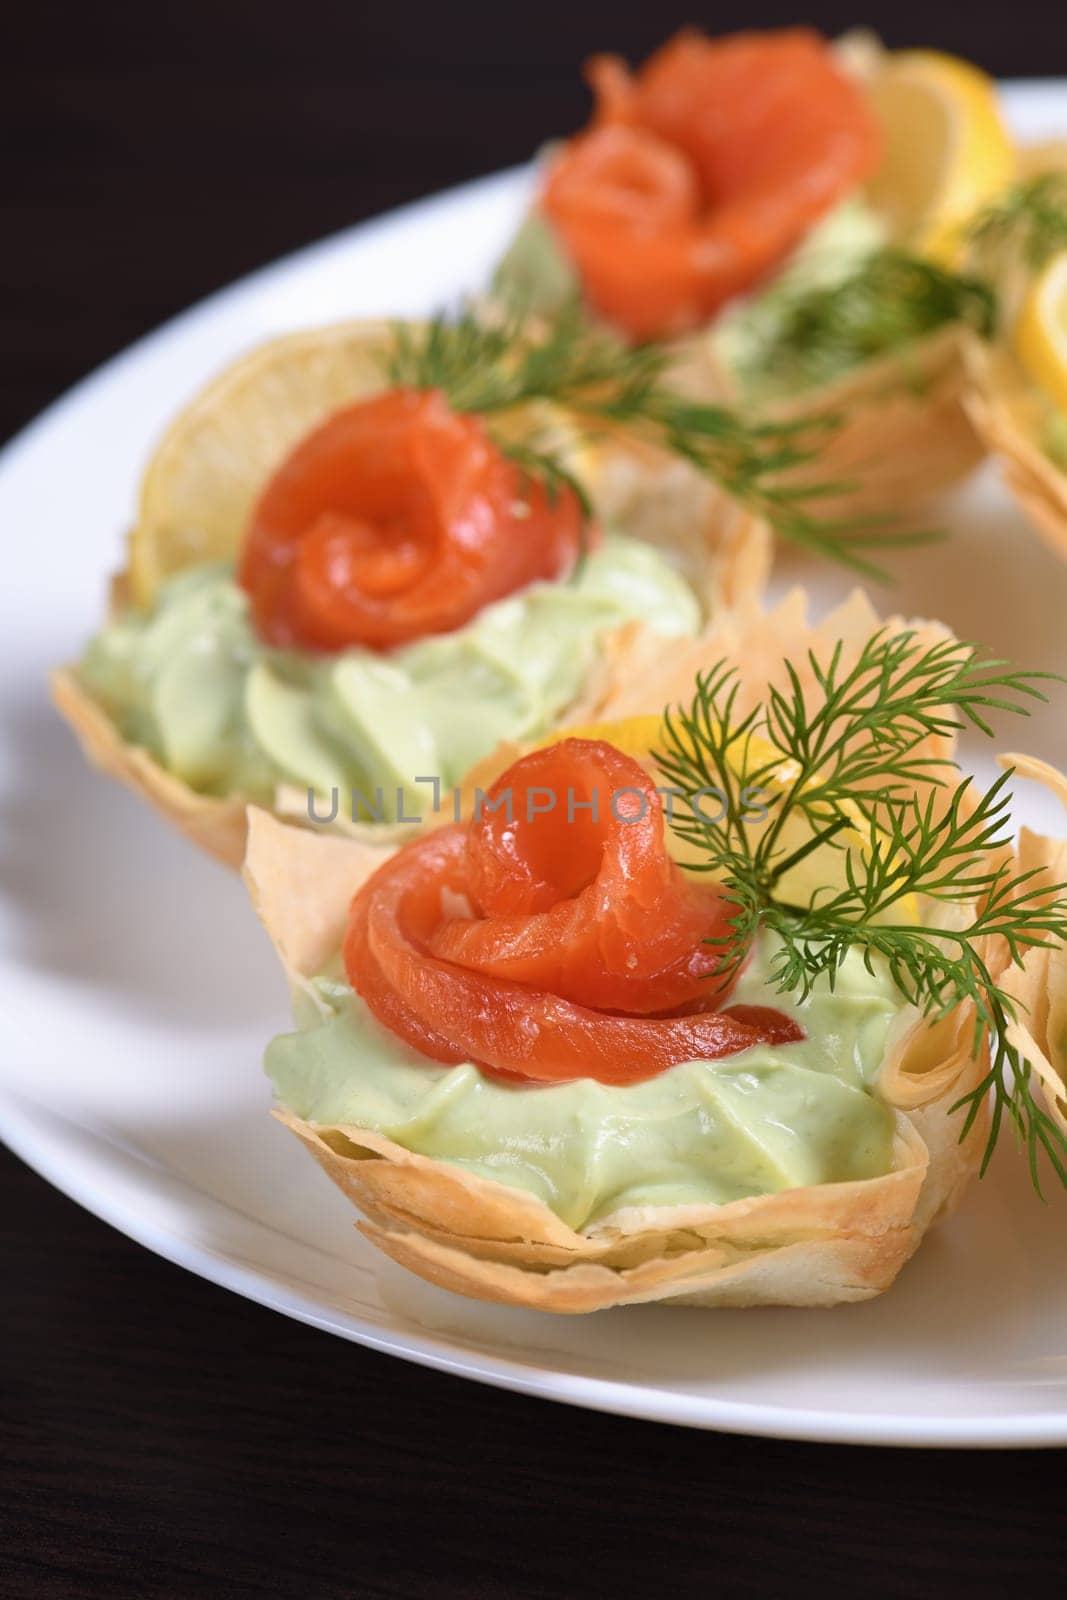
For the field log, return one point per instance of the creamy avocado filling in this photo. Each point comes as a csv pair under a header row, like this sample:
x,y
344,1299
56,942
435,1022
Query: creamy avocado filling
x,y
774,1117
192,683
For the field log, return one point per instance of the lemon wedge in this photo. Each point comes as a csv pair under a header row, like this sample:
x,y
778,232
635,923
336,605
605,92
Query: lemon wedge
x,y
1041,331
214,459
947,149
819,873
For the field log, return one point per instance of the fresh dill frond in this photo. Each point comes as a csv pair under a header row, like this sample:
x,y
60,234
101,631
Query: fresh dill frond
x,y
1029,221
540,462
891,299
607,387
497,363
850,769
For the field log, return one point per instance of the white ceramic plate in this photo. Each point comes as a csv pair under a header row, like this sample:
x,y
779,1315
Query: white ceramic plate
x,y
137,992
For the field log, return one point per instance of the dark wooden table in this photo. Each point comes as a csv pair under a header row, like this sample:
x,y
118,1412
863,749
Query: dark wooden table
x,y
159,1437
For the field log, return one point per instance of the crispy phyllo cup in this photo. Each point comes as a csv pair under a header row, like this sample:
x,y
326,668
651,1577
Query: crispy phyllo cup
x,y
1009,415
205,476
806,1246
898,430
1039,984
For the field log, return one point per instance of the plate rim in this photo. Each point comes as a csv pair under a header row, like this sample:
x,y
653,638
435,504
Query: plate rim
x,y
642,1401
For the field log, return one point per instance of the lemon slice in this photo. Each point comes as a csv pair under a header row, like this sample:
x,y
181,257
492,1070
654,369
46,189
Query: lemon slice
x,y
216,456
820,872
947,149
1041,331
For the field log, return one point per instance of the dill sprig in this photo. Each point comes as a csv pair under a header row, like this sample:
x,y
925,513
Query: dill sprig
x,y
1029,221
606,386
892,298
848,770
539,459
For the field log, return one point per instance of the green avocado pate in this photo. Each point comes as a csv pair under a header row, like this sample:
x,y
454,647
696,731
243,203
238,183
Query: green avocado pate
x,y
192,683
774,1117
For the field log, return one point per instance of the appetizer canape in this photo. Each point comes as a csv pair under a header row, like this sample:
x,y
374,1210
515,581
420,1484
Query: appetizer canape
x,y
1019,399
793,206
711,1027
363,556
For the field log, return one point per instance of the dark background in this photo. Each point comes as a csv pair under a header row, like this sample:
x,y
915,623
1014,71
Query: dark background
x,y
152,151
159,1437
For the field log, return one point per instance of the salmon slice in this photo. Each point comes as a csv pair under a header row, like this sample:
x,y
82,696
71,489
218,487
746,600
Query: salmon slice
x,y
553,937
701,172
395,519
